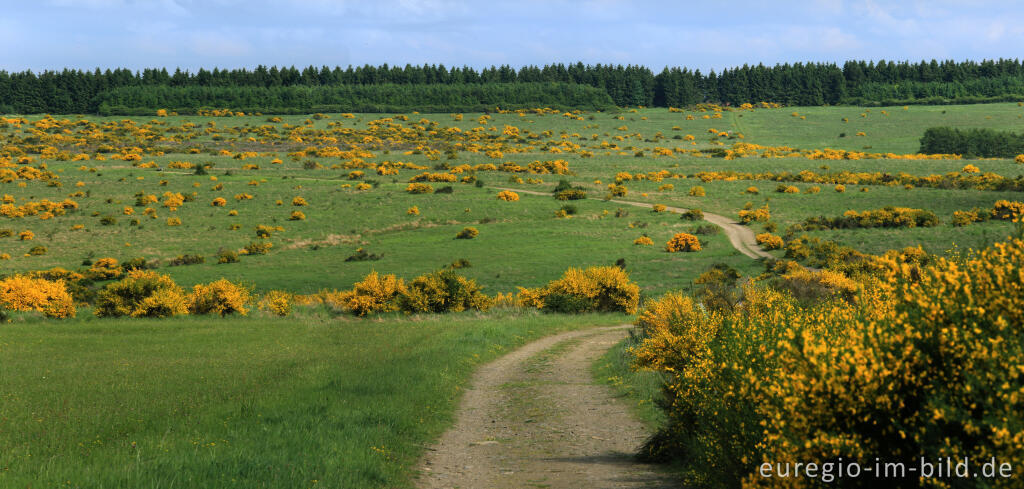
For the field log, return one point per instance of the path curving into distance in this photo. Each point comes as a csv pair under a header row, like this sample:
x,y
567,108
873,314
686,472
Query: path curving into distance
x,y
741,237
535,418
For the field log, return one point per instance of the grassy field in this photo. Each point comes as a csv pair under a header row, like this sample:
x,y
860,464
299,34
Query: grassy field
x,y
317,399
311,401
309,254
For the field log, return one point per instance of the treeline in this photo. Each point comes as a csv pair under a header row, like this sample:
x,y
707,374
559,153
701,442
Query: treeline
x,y
972,143
855,82
435,97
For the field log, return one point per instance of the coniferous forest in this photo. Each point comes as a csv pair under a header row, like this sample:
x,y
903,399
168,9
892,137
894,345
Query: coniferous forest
x,y
435,88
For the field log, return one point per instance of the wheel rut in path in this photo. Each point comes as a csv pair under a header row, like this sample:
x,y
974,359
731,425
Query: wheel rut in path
x,y
535,418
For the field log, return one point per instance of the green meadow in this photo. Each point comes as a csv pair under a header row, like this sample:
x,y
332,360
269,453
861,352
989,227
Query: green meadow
x,y
323,399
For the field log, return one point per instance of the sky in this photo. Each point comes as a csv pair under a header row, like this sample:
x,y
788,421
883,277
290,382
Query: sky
x,y
189,34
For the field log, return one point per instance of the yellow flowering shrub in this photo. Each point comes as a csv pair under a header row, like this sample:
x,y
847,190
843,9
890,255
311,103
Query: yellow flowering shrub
x,y
219,202
508,196
697,191
682,242
276,302
142,293
761,214
1005,209
643,241
413,211
840,188
443,291
221,298
468,232
602,289
50,297
419,188
752,190
297,216
658,208
375,293
923,363
104,269
769,241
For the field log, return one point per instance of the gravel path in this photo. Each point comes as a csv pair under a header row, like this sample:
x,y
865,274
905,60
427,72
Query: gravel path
x,y
535,418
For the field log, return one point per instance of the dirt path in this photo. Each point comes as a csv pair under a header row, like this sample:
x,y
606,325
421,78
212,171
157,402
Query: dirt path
x,y
534,418
741,237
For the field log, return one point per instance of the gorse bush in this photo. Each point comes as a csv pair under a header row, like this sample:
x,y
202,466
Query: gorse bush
x,y
442,291
142,293
683,242
468,232
50,297
276,302
221,298
920,362
375,293
769,241
508,196
439,292
600,289
886,217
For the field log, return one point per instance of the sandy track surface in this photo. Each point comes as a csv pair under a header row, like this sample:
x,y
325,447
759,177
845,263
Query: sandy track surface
x,y
535,418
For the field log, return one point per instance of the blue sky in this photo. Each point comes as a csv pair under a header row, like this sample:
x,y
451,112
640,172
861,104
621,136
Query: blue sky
x,y
53,34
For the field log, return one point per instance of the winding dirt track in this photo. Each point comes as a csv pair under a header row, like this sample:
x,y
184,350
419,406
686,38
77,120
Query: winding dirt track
x,y
741,237
535,418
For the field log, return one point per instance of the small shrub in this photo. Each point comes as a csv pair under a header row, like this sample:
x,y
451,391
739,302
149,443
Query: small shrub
x,y
769,241
221,298
276,302
142,293
706,230
601,289
443,291
375,293
50,297
182,260
419,188
467,233
683,242
693,215
258,247
571,194
697,191
363,255
508,196
227,256
460,263
643,241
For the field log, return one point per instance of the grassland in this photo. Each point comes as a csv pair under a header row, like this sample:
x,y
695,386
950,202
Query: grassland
x,y
309,255
311,401
320,399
